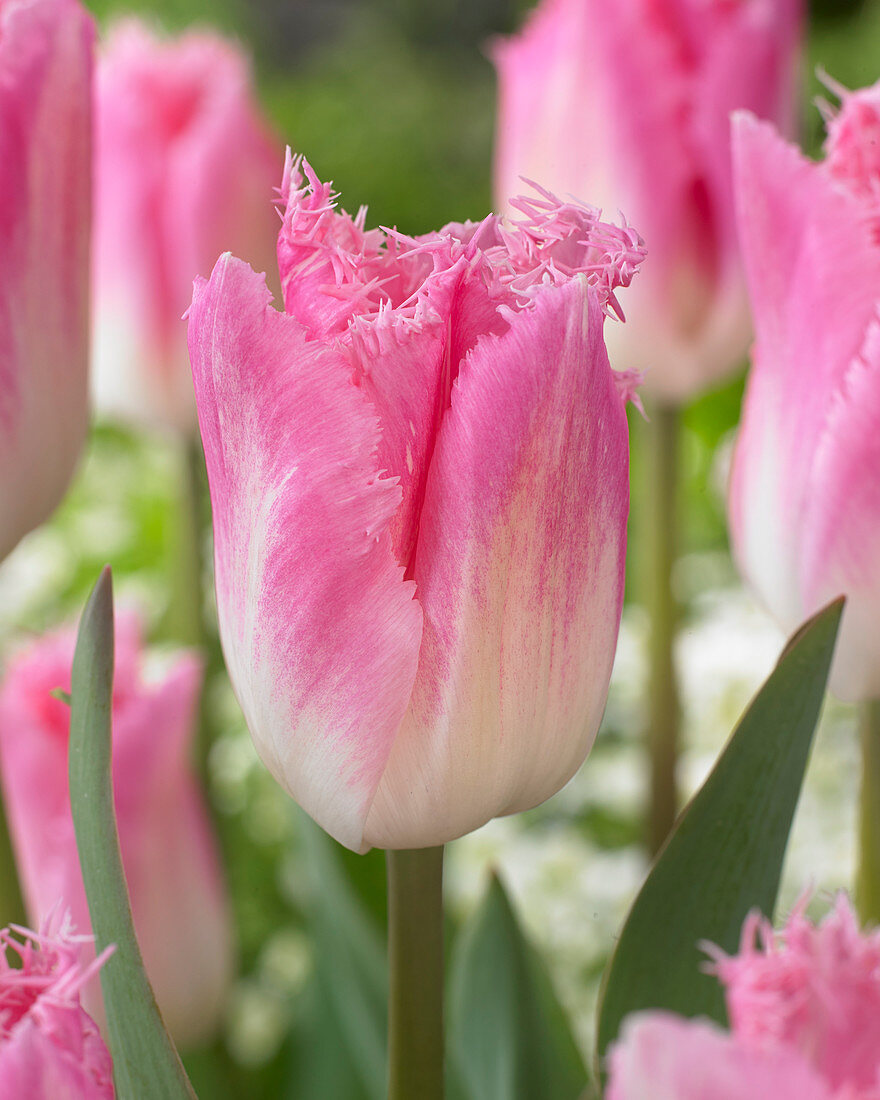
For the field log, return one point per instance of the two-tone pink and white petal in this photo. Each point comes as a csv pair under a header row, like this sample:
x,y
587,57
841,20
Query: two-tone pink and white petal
x,y
45,199
184,170
809,257
841,540
519,573
320,630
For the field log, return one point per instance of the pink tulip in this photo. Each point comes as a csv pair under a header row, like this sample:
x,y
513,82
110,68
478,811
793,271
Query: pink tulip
x,y
804,1008
627,102
184,169
50,1048
663,1057
805,485
177,896
45,125
419,482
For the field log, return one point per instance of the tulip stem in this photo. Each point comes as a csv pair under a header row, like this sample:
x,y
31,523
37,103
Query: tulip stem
x,y
868,871
661,527
186,621
12,910
415,972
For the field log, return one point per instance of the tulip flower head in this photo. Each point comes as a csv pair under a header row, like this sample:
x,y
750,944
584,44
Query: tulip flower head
x,y
168,853
185,168
49,1045
628,103
45,198
804,1009
419,482
805,482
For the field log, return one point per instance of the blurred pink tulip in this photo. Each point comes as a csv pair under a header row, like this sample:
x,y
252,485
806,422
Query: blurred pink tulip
x,y
45,187
50,1048
663,1057
805,485
419,482
627,103
185,169
814,988
177,895
804,1008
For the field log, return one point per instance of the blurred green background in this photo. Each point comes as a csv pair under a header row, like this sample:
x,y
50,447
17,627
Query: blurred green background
x,y
394,101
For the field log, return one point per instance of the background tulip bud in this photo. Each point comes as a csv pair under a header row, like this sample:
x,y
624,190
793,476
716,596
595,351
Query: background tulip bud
x,y
45,189
177,895
627,103
184,169
805,484
419,477
49,1045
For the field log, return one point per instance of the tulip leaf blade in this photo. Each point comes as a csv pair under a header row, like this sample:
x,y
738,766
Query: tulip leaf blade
x,y
145,1061
508,1035
350,973
725,854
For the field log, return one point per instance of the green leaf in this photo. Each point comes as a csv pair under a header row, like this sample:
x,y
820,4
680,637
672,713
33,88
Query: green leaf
x,y
145,1062
350,961
509,1037
321,1063
725,855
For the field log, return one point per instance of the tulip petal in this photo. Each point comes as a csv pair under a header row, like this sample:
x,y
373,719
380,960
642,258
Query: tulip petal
x,y
808,256
169,193
519,572
45,61
841,551
407,366
321,633
668,1058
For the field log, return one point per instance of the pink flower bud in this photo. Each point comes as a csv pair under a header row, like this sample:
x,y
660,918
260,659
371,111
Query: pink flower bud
x,y
49,1046
627,102
45,188
184,170
177,896
805,484
419,482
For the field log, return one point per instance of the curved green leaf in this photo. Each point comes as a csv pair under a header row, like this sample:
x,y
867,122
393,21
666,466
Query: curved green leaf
x,y
725,855
509,1036
145,1062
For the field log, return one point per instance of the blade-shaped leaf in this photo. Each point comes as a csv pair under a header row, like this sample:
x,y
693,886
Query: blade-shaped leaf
x,y
145,1062
725,855
350,961
509,1037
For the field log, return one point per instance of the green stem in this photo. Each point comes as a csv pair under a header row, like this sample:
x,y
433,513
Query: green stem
x,y
186,620
868,871
415,971
12,909
660,534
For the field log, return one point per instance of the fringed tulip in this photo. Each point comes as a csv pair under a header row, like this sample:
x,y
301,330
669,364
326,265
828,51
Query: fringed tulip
x,y
50,1048
419,481
663,1057
45,188
185,169
805,484
804,1009
177,895
627,102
